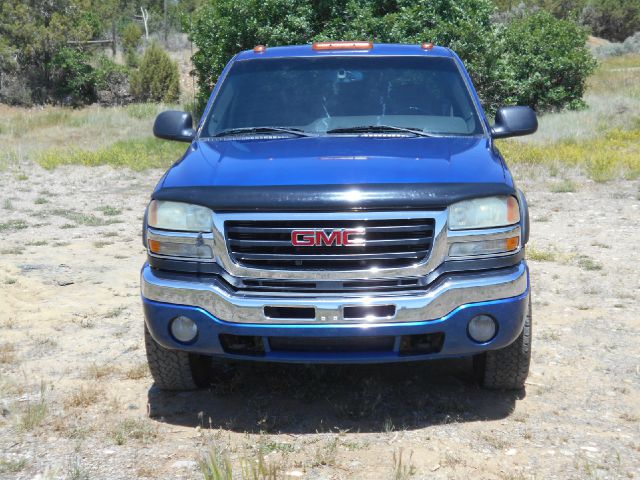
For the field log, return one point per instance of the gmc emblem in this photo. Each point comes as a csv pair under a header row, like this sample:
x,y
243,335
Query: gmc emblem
x,y
339,237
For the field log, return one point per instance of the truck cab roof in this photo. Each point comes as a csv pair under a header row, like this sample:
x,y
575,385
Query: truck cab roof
x,y
390,49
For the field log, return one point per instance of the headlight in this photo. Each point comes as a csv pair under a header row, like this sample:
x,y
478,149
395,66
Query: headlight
x,y
484,213
178,216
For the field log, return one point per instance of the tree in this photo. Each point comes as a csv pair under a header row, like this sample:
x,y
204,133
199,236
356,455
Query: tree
x,y
157,79
224,27
546,62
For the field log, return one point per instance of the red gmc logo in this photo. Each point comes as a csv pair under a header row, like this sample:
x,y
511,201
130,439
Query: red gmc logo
x,y
339,237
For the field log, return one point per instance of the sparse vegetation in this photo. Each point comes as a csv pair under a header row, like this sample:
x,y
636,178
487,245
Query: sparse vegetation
x,y
587,263
540,255
110,211
216,465
564,186
133,429
12,466
82,218
13,225
402,469
34,412
85,396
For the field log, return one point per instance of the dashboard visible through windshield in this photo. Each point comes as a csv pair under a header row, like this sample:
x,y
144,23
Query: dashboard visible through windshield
x,y
342,94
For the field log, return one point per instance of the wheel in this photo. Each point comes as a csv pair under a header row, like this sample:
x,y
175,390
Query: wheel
x,y
174,369
508,367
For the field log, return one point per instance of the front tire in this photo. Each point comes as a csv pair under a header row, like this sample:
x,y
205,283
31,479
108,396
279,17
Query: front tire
x,y
508,367
175,369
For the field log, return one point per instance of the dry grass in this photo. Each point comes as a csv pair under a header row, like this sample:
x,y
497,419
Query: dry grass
x,y
7,353
137,372
403,469
98,372
34,412
85,396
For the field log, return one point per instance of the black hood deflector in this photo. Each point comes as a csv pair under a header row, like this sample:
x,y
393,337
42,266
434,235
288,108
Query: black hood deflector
x,y
332,198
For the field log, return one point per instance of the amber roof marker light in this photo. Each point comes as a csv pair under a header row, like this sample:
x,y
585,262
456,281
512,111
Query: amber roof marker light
x,y
259,49
342,45
427,46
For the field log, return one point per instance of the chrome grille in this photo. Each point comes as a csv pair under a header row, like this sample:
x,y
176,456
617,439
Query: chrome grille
x,y
389,243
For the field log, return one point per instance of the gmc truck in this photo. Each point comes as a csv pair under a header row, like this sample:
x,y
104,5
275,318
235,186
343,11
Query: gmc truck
x,y
340,202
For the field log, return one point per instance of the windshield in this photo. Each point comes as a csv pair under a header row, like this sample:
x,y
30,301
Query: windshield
x,y
335,94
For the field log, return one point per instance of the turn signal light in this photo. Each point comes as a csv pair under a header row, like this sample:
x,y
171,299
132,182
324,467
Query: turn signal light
x,y
342,45
512,243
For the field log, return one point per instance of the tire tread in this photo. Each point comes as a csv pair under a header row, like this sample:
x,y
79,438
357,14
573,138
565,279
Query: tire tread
x,y
170,369
508,367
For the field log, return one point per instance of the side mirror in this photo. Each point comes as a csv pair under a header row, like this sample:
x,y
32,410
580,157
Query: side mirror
x,y
174,125
514,122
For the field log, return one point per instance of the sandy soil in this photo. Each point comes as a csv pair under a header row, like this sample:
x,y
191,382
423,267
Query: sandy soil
x,y
74,389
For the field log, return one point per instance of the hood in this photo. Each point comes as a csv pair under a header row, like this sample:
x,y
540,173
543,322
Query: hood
x,y
336,161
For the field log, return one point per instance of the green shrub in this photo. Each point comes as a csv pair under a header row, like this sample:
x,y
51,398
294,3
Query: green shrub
x,y
545,62
157,79
131,36
73,76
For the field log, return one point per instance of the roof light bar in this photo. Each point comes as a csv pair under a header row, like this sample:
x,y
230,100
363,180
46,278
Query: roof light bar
x,y
259,49
348,45
427,46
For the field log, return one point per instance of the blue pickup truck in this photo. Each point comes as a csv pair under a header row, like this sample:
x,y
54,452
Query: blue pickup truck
x,y
340,202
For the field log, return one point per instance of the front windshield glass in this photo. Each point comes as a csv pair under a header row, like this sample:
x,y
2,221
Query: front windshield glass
x,y
326,94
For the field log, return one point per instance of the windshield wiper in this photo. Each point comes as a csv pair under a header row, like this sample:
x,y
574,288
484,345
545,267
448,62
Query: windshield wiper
x,y
245,130
380,129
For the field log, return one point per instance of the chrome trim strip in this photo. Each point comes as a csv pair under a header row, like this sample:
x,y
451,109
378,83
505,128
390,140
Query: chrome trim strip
x,y
446,295
460,236
191,238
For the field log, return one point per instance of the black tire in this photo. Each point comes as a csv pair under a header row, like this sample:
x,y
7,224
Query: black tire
x,y
508,367
174,369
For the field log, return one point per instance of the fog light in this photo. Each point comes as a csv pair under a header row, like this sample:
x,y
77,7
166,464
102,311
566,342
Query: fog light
x,y
183,329
482,328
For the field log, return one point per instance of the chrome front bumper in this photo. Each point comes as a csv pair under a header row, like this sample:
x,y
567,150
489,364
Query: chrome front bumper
x,y
442,297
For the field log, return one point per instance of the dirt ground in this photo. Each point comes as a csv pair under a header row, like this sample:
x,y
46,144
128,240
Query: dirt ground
x,y
75,392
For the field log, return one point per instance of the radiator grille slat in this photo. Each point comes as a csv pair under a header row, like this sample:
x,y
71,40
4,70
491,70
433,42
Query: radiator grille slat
x,y
389,243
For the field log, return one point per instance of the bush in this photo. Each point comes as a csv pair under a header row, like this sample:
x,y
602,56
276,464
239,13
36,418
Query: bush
x,y
157,79
612,19
112,83
131,36
535,59
545,62
73,76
